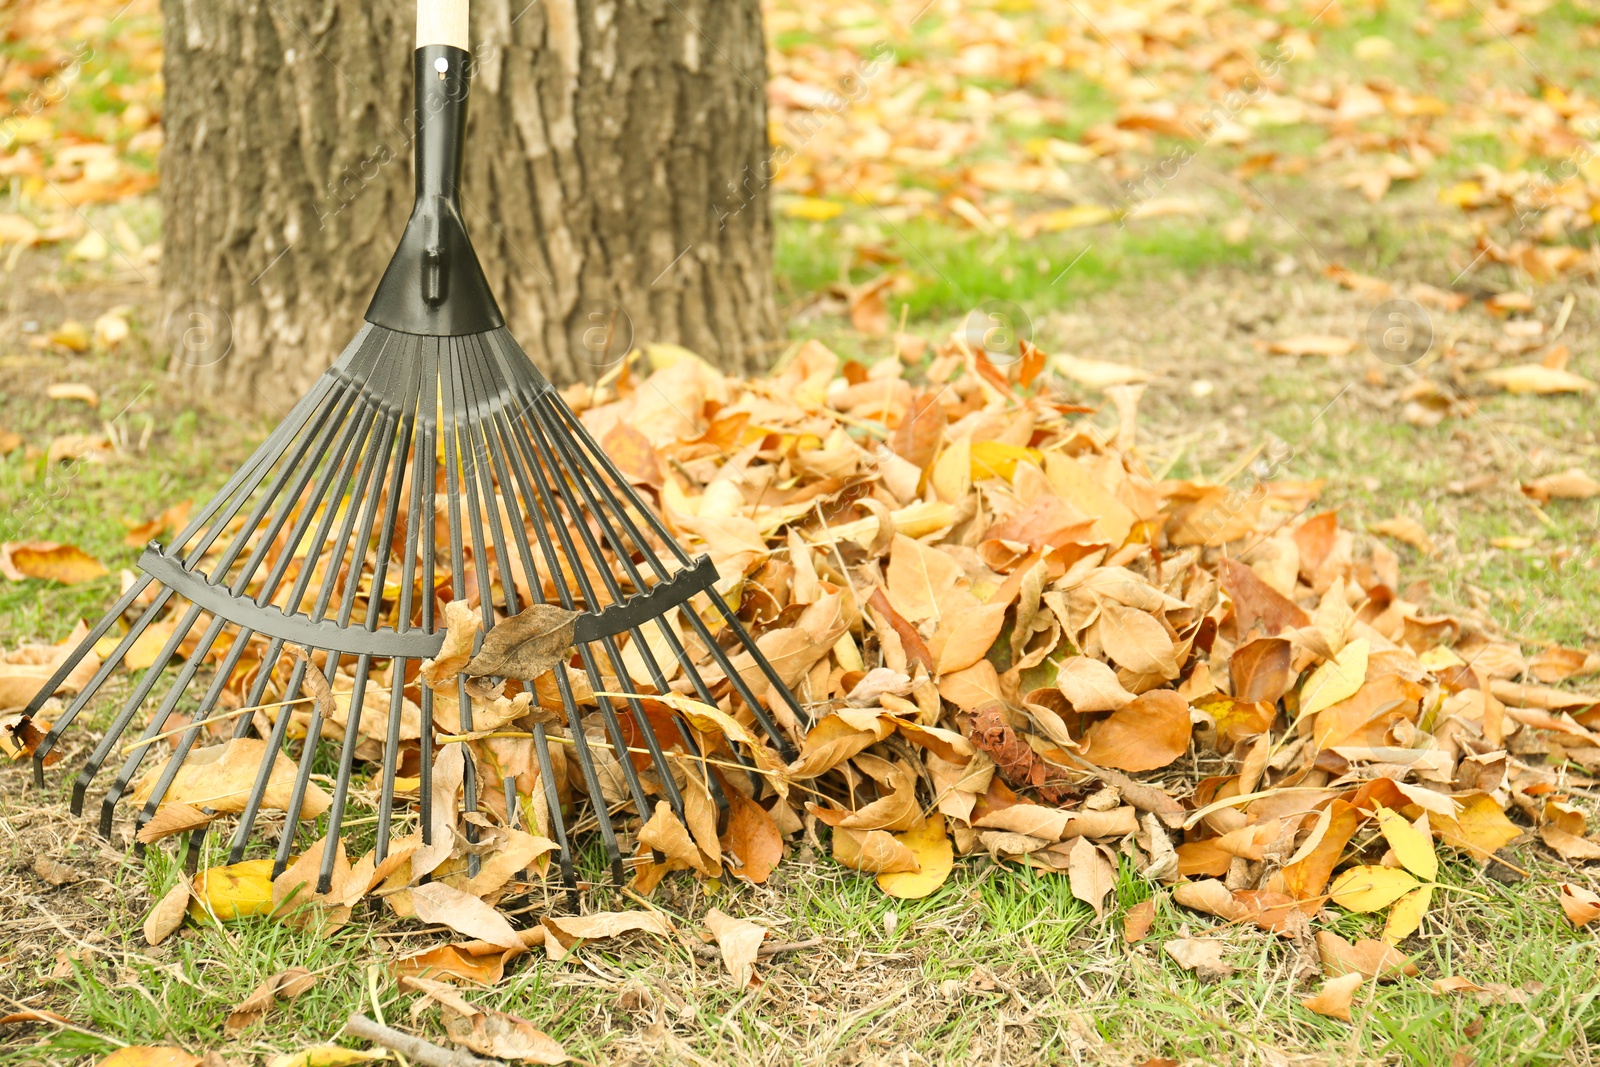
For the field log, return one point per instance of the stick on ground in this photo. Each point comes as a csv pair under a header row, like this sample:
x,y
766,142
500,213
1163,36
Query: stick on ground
x,y
413,1048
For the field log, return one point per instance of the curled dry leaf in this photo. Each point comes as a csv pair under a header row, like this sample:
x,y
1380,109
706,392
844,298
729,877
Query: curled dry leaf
x,y
1090,875
150,1056
286,984
168,914
740,941
1202,955
1580,905
1335,996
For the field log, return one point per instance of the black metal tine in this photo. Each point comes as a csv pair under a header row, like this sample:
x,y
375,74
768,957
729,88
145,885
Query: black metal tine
x,y
367,483
575,430
611,500
331,487
524,498
389,445
580,740
561,475
263,540
87,693
408,575
427,448
489,423
458,452
253,473
785,748
151,675
552,804
92,638
483,410
185,741
114,793
624,557
344,376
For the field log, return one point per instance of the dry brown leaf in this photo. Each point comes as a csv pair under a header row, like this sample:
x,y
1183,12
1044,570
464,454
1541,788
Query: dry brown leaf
x,y
1371,959
1580,905
286,984
1136,924
1090,685
168,914
1571,484
1148,733
1335,997
1202,955
464,913
1406,529
504,1036
527,644
1090,875
739,940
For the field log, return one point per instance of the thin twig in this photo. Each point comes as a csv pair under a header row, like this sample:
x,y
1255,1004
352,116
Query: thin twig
x,y
424,1052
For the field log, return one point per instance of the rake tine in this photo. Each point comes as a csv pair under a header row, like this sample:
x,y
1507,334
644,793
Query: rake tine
x,y
186,740
86,777
398,665
427,448
363,498
334,474
151,675
625,558
458,458
389,443
491,430
485,425
254,473
264,540
641,720
552,803
87,692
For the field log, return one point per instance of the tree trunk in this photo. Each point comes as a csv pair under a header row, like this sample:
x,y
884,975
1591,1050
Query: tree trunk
x,y
610,188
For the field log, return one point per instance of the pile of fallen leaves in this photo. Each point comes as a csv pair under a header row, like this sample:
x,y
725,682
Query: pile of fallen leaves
x,y
1011,639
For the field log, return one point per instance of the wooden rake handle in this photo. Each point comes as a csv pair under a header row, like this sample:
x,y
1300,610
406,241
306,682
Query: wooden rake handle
x,y
442,22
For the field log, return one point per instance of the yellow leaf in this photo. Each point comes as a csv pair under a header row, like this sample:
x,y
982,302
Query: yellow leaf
x,y
1370,888
233,892
996,459
1407,915
1480,826
149,1056
1337,679
709,719
1072,218
1412,847
325,1056
934,854
812,209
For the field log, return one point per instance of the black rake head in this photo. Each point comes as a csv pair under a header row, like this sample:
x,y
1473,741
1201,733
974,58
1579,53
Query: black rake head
x,y
293,618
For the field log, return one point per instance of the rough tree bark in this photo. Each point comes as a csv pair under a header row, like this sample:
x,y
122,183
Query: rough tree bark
x,y
611,184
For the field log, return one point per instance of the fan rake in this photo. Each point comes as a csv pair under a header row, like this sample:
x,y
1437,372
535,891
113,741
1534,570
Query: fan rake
x,y
431,463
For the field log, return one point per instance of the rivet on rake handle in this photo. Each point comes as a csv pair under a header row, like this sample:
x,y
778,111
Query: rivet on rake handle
x,y
432,411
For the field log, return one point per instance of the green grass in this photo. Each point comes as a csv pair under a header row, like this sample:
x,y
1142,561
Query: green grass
x,y
994,948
